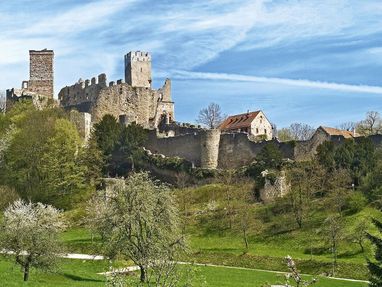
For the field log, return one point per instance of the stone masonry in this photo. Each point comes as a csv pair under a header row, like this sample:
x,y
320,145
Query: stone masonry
x,y
130,101
41,73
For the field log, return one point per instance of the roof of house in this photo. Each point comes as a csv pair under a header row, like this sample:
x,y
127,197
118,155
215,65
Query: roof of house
x,y
238,121
337,132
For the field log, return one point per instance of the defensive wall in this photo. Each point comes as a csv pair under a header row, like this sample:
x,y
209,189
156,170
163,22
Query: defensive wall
x,y
212,149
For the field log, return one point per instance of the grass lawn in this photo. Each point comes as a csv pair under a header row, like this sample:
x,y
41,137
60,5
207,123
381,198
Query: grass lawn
x,y
69,273
83,273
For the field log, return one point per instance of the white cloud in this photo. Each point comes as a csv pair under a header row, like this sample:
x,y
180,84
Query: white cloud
x,y
279,81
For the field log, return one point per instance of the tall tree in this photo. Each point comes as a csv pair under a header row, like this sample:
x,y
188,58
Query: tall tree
x,y
139,221
31,232
131,142
211,116
375,266
107,134
63,175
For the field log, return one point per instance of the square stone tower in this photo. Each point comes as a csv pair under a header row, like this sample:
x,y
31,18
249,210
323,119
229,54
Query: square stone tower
x,y
138,69
41,72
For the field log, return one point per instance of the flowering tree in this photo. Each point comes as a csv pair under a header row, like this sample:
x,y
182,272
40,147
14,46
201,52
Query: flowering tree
x,y
30,232
2,102
139,221
295,275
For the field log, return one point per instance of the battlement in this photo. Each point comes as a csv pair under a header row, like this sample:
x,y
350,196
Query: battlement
x,y
41,52
138,56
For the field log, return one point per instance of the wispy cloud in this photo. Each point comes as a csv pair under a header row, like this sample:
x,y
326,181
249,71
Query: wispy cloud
x,y
279,81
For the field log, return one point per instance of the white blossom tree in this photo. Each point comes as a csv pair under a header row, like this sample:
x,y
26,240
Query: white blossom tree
x,y
29,232
139,221
2,101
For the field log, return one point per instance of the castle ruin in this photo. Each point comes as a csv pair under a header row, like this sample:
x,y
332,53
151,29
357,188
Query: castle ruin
x,y
40,86
131,100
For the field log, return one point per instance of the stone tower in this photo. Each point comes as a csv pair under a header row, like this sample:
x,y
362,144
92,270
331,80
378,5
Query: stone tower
x,y
41,72
138,69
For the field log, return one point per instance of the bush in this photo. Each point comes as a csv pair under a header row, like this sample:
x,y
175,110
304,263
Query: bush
x,y
355,202
7,196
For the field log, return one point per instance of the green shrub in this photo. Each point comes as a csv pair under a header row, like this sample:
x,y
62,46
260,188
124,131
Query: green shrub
x,y
355,202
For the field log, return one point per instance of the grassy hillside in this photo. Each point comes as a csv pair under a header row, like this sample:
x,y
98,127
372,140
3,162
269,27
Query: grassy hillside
x,y
212,226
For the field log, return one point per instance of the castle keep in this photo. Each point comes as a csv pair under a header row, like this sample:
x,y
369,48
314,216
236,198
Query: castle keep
x,y
40,73
131,100
40,87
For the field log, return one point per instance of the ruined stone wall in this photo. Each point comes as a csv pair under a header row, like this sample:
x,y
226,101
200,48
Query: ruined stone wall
x,y
237,150
82,122
136,104
185,146
209,144
273,190
41,72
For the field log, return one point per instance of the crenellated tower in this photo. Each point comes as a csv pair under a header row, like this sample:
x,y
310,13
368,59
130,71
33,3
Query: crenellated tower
x,y
138,69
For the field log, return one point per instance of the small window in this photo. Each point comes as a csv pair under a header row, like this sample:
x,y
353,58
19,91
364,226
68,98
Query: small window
x,y
265,131
257,130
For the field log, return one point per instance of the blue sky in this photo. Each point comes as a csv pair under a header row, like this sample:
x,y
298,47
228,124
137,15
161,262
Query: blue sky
x,y
317,62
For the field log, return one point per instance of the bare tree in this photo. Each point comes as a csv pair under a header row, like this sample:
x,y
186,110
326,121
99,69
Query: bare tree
x,y
333,232
296,131
301,131
2,101
211,116
347,126
30,231
371,125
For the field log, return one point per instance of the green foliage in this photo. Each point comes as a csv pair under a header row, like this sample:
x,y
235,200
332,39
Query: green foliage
x,y
171,163
375,267
63,177
7,196
270,156
107,134
355,202
42,160
119,144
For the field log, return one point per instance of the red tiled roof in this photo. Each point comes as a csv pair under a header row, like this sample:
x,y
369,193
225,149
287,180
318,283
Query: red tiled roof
x,y
337,132
238,121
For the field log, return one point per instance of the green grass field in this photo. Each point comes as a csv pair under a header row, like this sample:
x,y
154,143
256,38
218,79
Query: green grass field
x,y
84,273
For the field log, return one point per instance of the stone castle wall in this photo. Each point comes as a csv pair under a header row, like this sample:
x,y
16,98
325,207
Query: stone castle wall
x,y
141,105
186,146
211,149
